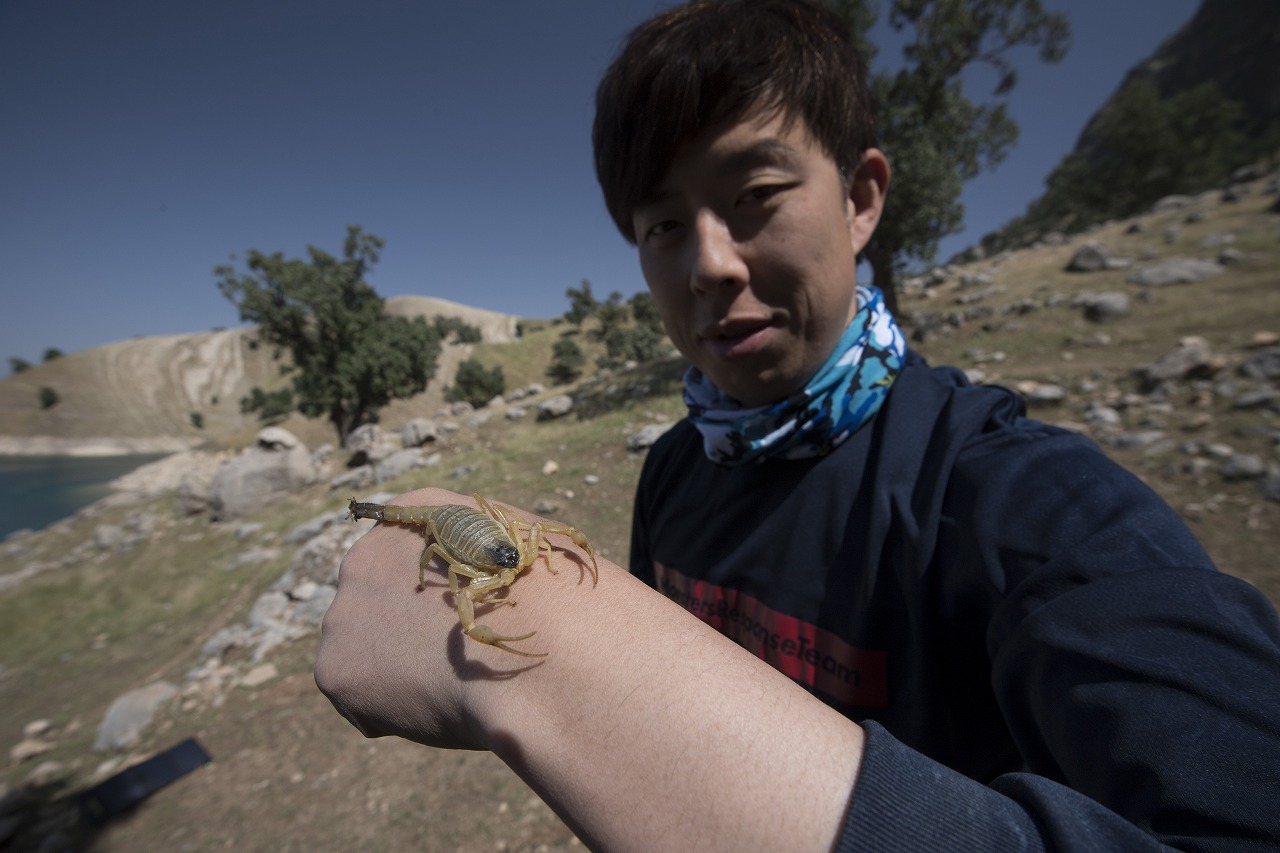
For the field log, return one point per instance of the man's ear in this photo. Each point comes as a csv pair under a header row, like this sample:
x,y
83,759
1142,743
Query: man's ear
x,y
867,191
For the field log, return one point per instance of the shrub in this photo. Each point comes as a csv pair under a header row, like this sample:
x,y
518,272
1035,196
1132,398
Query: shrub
x,y
566,362
272,407
637,343
475,384
48,397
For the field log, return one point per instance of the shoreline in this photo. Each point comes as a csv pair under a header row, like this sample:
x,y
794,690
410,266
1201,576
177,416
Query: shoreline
x,y
47,445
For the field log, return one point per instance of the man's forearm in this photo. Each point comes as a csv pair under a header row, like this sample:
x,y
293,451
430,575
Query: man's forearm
x,y
643,727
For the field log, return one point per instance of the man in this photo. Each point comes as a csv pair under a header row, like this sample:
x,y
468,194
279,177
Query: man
x,y
991,636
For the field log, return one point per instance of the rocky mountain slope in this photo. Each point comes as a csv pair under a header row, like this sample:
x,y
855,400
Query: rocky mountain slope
x,y
1234,43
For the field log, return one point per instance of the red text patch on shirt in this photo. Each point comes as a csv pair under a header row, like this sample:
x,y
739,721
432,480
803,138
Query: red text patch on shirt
x,y
805,652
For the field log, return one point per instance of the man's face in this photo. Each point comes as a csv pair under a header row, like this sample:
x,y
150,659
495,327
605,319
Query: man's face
x,y
749,247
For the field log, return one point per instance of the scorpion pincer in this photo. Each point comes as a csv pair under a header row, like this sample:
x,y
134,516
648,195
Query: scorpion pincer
x,y
486,547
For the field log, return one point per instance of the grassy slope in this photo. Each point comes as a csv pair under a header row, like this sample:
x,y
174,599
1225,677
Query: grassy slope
x,y
289,773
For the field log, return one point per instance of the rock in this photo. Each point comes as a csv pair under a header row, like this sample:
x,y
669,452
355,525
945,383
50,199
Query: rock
x,y
398,463
1091,257
1171,202
247,531
245,485
1265,397
277,438
260,674
256,555
1262,365
315,526
647,435
1041,393
1243,466
550,467
366,444
270,607
1104,307
419,431
1142,438
107,536
1270,484
355,480
1191,357
45,773
127,717
1230,257
35,728
28,748
1102,416
192,495
1175,271
1263,338
555,407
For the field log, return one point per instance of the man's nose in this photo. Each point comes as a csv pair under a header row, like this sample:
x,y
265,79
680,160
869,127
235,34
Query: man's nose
x,y
717,261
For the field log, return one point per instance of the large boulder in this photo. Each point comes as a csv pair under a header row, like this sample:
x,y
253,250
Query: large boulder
x,y
278,465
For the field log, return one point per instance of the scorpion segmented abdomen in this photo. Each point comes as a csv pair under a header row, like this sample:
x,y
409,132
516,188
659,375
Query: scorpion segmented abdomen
x,y
475,537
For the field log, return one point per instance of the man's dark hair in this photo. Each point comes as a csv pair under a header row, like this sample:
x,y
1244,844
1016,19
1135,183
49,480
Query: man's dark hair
x,y
701,65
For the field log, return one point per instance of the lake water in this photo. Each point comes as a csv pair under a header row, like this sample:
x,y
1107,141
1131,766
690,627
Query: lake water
x,y
36,491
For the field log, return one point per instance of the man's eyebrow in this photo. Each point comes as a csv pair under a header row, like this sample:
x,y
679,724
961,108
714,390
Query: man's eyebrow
x,y
764,152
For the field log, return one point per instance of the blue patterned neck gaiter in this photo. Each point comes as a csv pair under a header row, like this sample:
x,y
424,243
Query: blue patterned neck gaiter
x,y
845,392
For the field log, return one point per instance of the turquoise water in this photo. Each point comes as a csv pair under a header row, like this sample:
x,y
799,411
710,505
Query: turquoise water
x,y
36,491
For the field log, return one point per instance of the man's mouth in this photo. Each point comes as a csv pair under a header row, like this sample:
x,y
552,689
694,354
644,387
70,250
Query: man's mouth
x,y
737,338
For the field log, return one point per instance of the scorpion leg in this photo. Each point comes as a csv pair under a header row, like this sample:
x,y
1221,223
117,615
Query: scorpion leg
x,y
485,634
542,528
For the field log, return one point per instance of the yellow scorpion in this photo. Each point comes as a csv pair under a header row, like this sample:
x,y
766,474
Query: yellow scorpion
x,y
483,545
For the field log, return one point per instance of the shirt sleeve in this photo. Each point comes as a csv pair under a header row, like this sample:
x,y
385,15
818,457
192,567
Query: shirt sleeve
x,y
1140,686
904,801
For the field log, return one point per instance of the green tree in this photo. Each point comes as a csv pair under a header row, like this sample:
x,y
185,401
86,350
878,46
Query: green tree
x,y
48,397
935,137
349,357
18,365
645,310
475,384
271,406
462,331
52,353
582,304
611,314
633,343
566,361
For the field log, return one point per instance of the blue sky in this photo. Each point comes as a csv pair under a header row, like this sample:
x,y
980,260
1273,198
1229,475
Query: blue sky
x,y
144,142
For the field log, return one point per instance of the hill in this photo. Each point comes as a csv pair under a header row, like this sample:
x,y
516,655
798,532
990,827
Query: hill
x,y
139,395
1172,380
1233,43
1202,108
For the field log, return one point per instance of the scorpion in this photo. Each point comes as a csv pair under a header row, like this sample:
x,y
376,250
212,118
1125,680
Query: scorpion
x,y
483,545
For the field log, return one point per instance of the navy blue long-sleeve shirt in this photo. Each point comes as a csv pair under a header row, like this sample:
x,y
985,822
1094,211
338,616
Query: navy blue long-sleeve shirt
x,y
1041,653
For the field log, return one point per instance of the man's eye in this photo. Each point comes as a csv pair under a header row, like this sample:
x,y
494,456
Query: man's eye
x,y
661,229
764,192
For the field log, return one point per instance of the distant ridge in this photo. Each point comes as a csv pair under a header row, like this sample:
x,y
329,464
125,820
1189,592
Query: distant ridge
x,y
140,395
